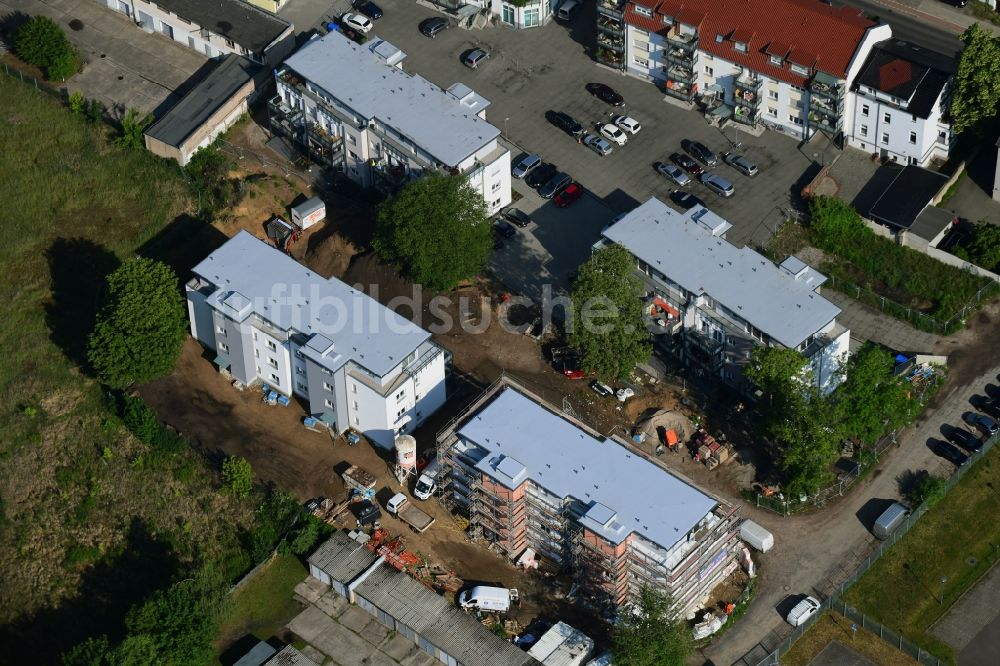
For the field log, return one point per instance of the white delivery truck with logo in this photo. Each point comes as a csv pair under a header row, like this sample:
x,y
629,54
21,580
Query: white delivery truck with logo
x,y
484,598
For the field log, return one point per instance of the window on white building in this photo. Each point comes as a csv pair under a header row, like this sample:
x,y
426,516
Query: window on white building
x,y
328,403
885,137
271,346
641,62
351,140
864,110
401,411
800,70
913,137
327,386
276,380
354,388
300,371
864,130
709,70
886,118
221,330
772,94
644,11
224,347
399,396
794,119
272,362
773,112
942,136
302,387
355,404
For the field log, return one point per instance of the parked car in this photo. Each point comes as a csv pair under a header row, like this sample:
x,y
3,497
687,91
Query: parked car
x,y
802,611
565,122
990,406
673,173
541,174
516,216
700,152
740,163
949,452
598,144
686,200
985,423
685,162
613,133
525,165
965,439
475,58
717,184
630,125
605,93
504,229
554,185
570,367
569,196
358,22
601,388
432,26
369,9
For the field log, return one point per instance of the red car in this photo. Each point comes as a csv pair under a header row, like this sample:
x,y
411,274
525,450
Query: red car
x,y
569,196
571,370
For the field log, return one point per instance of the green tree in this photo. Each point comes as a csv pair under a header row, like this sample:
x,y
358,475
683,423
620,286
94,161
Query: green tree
x,y
209,173
929,489
976,91
141,326
649,634
92,652
607,324
237,476
873,401
983,249
133,125
42,43
436,229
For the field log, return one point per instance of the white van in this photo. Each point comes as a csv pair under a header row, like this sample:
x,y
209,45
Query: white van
x,y
803,610
567,10
496,599
889,521
427,482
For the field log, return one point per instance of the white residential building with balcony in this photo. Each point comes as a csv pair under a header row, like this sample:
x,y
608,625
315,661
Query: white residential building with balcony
x,y
781,64
900,102
713,302
352,106
357,364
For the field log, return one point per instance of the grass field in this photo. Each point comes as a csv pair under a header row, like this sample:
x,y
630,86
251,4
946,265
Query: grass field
x,y
264,604
835,627
957,540
89,522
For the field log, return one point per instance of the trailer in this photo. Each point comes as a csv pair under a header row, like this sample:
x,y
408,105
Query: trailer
x,y
359,481
399,506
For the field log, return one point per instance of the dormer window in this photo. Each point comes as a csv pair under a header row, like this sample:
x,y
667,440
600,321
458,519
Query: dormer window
x,y
777,61
644,11
740,46
800,70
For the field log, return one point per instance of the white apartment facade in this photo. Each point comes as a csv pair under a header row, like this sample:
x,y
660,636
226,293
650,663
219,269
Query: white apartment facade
x,y
711,303
249,31
781,64
355,362
383,126
900,102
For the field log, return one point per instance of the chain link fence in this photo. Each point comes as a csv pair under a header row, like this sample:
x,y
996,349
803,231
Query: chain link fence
x,y
834,601
40,86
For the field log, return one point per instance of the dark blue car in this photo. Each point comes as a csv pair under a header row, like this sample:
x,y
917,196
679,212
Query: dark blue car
x,y
369,9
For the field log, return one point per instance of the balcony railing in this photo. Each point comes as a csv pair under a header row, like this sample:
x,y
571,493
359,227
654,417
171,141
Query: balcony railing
x,y
682,41
607,42
746,116
819,103
608,56
610,10
679,73
679,57
748,83
833,92
611,27
679,91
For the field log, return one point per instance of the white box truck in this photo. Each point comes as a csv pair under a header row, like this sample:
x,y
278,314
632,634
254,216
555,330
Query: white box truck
x,y
484,598
756,536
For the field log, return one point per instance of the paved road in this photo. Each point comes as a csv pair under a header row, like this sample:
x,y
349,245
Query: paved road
x,y
913,22
815,553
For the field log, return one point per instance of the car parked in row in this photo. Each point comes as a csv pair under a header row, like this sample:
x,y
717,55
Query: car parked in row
x,y
965,439
717,184
554,185
687,163
565,122
986,424
541,175
740,163
369,9
700,152
613,133
802,611
525,165
673,173
432,26
357,22
504,229
516,216
630,125
949,452
569,195
605,93
598,144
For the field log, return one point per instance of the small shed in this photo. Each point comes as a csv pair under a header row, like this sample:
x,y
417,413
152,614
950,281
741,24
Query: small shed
x,y
562,645
309,212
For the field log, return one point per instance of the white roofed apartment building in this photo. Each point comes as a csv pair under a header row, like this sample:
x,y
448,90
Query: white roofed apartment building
x,y
356,363
383,126
531,477
901,104
783,64
713,302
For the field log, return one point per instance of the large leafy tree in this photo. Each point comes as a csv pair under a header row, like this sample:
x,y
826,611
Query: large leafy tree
x,y
607,323
976,90
42,43
648,633
141,326
983,249
872,400
436,229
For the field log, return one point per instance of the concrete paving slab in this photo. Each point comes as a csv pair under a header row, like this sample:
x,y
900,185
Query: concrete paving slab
x,y
972,614
332,604
355,618
310,624
419,658
311,589
374,632
314,654
867,323
399,647
838,654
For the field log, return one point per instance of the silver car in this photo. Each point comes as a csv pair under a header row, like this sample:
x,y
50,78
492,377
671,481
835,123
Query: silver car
x,y
476,57
673,173
717,184
740,163
598,144
525,166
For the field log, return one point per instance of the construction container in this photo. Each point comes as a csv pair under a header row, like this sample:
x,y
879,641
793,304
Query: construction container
x,y
358,480
309,212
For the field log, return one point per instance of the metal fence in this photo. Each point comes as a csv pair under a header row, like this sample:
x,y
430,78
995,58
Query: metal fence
x,y
40,86
834,602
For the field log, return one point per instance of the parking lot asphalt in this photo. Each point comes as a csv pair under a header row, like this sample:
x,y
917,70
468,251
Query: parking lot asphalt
x,y
546,68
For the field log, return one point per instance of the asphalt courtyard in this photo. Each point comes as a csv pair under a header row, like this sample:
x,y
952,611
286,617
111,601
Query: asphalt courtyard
x,y
546,68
